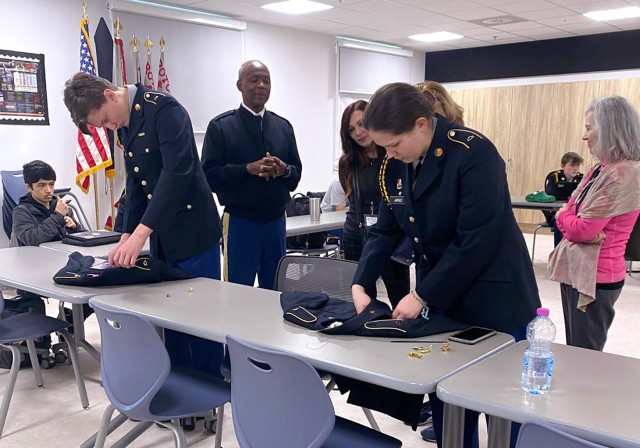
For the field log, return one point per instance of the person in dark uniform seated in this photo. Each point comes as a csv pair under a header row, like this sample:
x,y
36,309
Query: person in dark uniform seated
x,y
445,187
251,161
168,198
40,217
560,184
358,170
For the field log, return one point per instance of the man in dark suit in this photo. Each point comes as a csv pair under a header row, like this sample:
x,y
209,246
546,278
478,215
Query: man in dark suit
x,y
251,161
444,186
168,198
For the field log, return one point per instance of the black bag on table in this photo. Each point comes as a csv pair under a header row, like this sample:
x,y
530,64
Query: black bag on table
x,y
299,206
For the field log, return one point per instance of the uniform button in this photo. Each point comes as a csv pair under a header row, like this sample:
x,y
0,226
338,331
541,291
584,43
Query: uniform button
x,y
149,196
416,240
188,206
130,154
146,150
136,169
411,219
144,183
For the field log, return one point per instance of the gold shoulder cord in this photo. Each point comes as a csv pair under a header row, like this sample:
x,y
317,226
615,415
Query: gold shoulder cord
x,y
382,180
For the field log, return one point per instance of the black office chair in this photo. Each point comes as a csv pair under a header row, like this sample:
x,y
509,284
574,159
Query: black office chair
x,y
312,274
632,252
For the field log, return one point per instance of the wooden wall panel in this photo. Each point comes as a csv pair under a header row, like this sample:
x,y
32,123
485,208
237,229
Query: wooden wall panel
x,y
534,125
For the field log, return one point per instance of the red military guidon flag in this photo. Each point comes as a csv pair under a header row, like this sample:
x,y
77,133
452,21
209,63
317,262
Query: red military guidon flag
x,y
92,151
163,78
148,78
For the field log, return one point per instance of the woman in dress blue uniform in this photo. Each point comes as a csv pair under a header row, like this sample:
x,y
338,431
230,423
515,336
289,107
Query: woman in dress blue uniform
x,y
444,186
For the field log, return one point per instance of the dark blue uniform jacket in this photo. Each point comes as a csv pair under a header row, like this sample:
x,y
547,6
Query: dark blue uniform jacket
x,y
79,271
474,266
166,187
318,311
236,138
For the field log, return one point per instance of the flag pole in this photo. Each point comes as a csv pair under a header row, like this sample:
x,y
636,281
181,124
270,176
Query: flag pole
x,y
95,177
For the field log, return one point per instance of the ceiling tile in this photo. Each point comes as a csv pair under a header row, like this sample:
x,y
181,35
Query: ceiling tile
x,y
371,6
588,6
477,14
449,7
518,26
495,36
585,26
577,18
525,6
545,13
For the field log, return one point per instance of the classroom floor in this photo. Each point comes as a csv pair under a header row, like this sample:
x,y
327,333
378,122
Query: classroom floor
x,y
53,417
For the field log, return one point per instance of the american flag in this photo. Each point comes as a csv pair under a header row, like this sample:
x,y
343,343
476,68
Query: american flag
x,y
92,151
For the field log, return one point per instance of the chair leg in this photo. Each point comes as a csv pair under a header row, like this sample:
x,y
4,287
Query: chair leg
x,y
220,417
13,376
34,364
113,425
103,430
371,419
178,434
77,370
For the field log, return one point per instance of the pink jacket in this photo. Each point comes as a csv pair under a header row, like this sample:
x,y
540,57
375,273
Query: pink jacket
x,y
611,264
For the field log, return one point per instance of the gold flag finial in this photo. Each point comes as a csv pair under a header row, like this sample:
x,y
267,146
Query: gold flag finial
x,y
84,8
118,27
148,44
134,42
162,42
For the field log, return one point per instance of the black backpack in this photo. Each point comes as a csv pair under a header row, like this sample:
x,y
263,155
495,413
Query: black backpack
x,y
298,206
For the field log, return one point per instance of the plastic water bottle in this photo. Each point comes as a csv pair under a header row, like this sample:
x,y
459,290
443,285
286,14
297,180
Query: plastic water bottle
x,y
538,358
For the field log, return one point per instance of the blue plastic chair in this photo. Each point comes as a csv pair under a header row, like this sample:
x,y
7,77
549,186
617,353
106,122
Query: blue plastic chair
x,y
28,327
537,434
140,382
278,400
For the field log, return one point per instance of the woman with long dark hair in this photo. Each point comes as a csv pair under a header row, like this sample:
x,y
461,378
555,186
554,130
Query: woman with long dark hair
x,y
358,171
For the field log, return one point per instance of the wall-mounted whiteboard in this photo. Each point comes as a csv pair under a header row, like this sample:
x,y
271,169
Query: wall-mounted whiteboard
x,y
202,62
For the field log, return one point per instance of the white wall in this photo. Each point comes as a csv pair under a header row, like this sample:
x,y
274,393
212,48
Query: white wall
x,y
302,65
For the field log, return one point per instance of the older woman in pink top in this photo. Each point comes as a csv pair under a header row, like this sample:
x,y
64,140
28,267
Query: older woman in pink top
x,y
596,223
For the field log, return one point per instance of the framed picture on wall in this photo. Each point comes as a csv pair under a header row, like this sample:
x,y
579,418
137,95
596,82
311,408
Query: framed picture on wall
x,y
23,90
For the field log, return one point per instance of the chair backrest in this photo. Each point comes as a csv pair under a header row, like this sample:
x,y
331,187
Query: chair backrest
x,y
537,434
632,252
134,362
12,190
332,276
277,400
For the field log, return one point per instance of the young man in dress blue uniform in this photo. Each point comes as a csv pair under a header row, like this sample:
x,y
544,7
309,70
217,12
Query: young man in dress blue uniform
x,y
168,198
251,161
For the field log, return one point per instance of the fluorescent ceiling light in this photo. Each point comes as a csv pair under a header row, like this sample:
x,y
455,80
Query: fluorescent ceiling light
x,y
376,47
607,15
172,12
297,7
440,36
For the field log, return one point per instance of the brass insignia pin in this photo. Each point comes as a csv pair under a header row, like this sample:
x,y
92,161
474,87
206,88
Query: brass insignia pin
x,y
137,107
438,152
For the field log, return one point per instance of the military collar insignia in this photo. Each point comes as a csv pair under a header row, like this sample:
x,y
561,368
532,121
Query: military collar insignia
x,y
399,184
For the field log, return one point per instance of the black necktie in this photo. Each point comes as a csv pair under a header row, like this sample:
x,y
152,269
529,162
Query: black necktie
x,y
416,169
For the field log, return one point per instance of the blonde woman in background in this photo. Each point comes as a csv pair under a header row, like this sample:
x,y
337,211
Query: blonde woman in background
x,y
443,104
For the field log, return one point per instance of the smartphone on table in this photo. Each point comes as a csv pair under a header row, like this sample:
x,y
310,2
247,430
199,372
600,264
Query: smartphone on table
x,y
471,335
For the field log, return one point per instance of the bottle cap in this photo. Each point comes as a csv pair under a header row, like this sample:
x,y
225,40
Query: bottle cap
x,y
543,312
